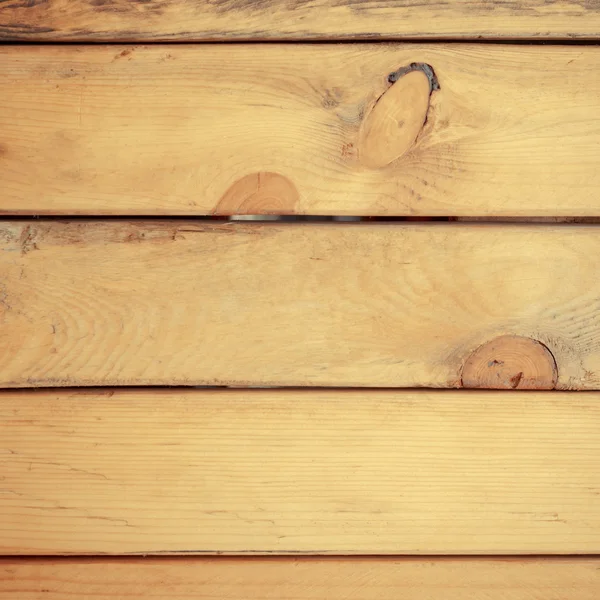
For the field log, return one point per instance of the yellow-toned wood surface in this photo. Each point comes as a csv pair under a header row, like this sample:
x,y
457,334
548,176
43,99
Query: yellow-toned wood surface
x,y
300,129
511,362
171,20
305,471
187,302
307,578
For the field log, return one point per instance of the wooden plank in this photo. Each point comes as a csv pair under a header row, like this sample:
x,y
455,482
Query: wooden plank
x,y
305,471
300,129
306,578
168,20
291,304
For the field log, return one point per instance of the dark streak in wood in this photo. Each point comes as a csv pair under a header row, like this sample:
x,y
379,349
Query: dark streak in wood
x,y
434,84
138,20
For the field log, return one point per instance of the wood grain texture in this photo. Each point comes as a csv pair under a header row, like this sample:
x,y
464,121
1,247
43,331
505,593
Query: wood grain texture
x,y
359,304
194,20
246,129
510,362
305,578
305,471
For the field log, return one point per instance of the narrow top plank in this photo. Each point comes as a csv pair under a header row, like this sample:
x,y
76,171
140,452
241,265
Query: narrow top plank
x,y
197,20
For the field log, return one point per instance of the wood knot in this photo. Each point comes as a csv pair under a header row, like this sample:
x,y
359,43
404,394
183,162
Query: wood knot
x,y
511,362
263,193
398,116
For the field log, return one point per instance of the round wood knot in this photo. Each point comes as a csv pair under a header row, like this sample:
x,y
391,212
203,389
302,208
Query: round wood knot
x,y
511,362
394,123
262,193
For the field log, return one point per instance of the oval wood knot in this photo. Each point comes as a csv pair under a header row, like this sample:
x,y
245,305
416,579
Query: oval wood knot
x,y
511,362
392,126
259,193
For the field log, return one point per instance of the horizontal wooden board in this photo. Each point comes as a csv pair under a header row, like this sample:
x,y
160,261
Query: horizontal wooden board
x,y
187,302
167,20
300,129
305,578
306,471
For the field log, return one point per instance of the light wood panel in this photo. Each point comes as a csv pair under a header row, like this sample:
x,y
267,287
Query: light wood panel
x,y
306,578
300,129
97,20
306,471
359,304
